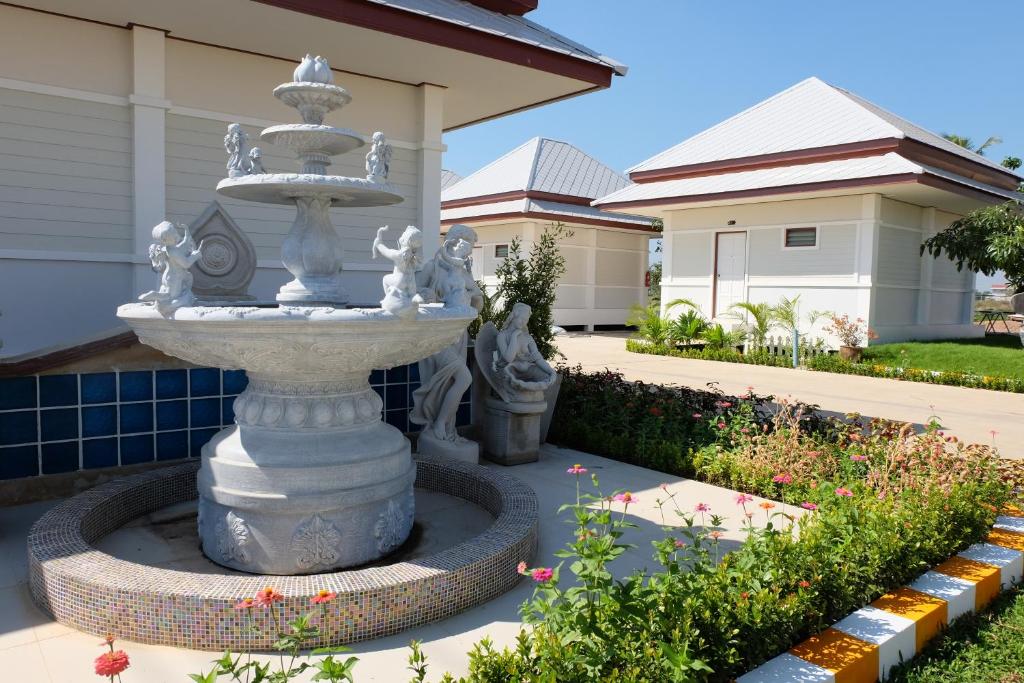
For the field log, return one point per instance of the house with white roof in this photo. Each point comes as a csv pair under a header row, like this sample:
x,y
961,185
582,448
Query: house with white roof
x,y
544,182
113,115
819,193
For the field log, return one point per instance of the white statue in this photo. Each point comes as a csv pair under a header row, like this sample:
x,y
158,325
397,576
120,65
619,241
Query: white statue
x,y
445,377
172,254
236,142
520,372
322,71
401,295
256,161
378,159
305,72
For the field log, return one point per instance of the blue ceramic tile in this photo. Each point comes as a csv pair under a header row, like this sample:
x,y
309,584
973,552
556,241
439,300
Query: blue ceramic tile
x,y
205,412
377,377
397,396
99,387
380,392
235,381
99,420
204,382
414,372
398,375
58,390
60,457
463,416
227,410
172,445
18,427
17,392
18,461
99,453
171,383
136,449
136,417
137,386
398,419
58,424
197,438
171,414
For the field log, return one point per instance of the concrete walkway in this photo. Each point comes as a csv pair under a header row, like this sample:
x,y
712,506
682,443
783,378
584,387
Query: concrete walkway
x,y
971,414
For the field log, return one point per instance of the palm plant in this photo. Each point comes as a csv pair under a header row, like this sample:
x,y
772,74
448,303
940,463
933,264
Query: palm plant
x,y
968,144
786,314
759,320
687,327
649,324
717,337
681,302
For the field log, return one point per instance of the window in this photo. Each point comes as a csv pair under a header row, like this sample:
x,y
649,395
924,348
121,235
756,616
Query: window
x,y
500,251
801,238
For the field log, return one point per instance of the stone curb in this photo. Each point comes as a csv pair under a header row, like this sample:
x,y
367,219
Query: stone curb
x,y
865,645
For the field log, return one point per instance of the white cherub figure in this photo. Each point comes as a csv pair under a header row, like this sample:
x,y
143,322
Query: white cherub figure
x,y
172,254
378,159
236,143
256,161
400,292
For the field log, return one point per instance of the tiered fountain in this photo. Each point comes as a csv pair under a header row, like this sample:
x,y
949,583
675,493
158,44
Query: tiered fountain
x,y
309,479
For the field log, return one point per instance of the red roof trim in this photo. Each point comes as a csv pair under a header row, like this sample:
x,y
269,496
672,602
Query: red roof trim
x,y
517,7
517,194
436,32
554,217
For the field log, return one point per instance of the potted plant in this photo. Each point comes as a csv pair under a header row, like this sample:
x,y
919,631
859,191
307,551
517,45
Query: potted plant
x,y
851,333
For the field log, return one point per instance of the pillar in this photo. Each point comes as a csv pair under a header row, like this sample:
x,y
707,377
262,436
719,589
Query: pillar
x,y
431,102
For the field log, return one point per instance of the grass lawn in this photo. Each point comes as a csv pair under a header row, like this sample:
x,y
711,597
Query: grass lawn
x,y
982,648
999,355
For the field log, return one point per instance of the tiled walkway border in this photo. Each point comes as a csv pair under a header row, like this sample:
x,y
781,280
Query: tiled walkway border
x,y
94,592
863,647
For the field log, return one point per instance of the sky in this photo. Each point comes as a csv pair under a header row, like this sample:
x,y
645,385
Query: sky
x,y
947,66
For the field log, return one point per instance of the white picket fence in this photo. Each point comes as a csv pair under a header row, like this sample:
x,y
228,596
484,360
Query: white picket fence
x,y
782,345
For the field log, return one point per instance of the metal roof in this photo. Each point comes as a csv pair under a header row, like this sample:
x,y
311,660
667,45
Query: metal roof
x,y
449,178
526,205
508,26
540,165
810,114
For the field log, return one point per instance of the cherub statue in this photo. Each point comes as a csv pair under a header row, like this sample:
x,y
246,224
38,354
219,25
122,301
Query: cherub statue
x,y
400,292
516,361
378,159
172,254
256,161
236,142
305,72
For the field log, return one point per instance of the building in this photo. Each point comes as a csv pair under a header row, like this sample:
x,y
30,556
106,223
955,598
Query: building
x,y
819,193
543,182
113,114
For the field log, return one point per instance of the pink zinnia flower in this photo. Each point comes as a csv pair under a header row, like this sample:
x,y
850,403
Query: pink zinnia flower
x,y
858,458
744,430
246,603
702,507
697,416
813,454
322,597
784,478
663,486
111,663
844,492
716,535
542,574
521,568
743,499
679,544
766,505
268,596
626,498
721,425
808,506
805,584
577,469
723,404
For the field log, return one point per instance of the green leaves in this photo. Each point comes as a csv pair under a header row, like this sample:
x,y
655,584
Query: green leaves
x,y
985,240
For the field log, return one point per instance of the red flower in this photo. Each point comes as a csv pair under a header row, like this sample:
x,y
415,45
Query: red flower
x,y
744,595
808,506
846,493
542,574
246,603
804,584
766,505
655,411
322,597
268,596
111,663
784,478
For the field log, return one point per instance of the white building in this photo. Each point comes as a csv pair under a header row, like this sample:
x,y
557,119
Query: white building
x,y
113,114
543,182
819,193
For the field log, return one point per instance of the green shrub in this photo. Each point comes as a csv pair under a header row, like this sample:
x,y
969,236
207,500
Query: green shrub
x,y
949,378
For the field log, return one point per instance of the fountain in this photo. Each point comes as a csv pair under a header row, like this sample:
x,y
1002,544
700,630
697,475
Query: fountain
x,y
309,479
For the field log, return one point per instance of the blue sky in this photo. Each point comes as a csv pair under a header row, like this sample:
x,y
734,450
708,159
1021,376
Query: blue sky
x,y
948,66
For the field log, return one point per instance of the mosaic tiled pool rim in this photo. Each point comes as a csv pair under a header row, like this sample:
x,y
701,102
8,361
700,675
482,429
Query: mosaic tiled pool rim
x,y
89,590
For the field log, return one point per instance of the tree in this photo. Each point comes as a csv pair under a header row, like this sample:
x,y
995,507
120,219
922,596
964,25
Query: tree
x,y
985,240
968,144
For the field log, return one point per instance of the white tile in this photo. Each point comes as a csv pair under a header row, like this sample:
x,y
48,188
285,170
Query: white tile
x,y
1009,561
787,668
26,663
1010,524
895,636
959,594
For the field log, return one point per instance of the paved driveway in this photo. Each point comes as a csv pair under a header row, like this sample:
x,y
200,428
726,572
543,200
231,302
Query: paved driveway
x,y
971,414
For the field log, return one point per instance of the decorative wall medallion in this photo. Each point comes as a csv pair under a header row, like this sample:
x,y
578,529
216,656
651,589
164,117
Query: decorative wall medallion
x,y
228,259
316,543
232,537
393,526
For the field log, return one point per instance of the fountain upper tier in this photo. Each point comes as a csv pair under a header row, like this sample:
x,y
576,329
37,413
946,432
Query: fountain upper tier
x,y
284,188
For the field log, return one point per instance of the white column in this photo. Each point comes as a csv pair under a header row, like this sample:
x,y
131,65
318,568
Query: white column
x,y
924,292
149,109
867,255
431,147
591,278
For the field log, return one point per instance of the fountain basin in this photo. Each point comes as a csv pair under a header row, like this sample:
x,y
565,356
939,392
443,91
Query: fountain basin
x,y
307,137
283,188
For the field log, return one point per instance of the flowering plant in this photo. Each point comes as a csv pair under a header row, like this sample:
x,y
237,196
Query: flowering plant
x,y
850,332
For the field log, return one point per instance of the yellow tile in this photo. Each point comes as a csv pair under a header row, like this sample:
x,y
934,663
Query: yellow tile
x,y
850,659
929,613
986,578
1007,539
1012,510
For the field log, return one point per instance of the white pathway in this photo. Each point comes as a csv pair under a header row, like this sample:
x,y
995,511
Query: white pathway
x,y
35,649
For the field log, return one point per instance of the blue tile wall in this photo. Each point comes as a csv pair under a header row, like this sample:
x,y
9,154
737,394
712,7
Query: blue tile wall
x,y
51,424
